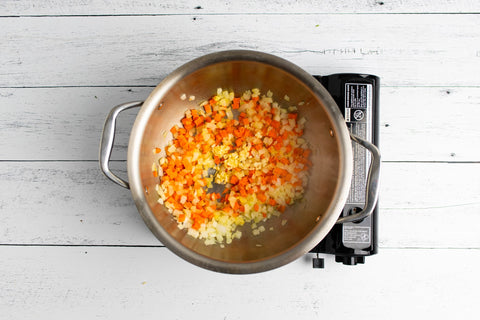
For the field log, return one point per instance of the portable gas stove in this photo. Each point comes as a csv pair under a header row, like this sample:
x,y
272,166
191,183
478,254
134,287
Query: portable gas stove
x,y
357,97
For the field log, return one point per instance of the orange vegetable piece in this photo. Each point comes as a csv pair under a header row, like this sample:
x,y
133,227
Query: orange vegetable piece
x,y
199,121
236,103
181,217
234,179
218,117
194,114
184,180
208,108
262,197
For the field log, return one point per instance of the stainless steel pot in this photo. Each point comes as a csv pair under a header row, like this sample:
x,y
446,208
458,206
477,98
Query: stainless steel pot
x,y
307,221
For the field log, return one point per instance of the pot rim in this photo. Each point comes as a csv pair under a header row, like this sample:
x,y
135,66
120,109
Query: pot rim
x,y
318,232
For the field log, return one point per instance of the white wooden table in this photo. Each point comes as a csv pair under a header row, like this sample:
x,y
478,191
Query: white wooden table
x,y
72,245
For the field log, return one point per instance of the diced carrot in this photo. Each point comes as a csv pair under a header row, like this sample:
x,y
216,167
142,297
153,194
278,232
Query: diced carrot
x,y
243,192
218,117
196,225
184,181
261,197
236,103
199,121
234,179
208,108
297,184
243,181
178,206
194,114
272,133
276,124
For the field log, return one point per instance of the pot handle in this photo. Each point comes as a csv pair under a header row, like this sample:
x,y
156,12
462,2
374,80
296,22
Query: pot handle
x,y
108,136
371,192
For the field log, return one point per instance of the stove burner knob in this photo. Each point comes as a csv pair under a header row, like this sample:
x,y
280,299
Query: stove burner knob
x,y
318,263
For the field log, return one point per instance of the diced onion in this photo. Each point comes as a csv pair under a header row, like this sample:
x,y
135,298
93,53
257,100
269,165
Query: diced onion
x,y
260,157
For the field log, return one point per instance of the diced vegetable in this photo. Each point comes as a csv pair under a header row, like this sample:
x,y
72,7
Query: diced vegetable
x,y
255,150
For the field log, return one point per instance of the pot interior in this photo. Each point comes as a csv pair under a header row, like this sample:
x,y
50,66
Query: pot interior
x,y
308,219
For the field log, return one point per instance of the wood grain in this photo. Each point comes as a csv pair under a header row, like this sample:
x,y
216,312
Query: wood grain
x,y
73,203
148,283
429,124
410,50
416,123
63,123
428,204
129,7
72,243
67,203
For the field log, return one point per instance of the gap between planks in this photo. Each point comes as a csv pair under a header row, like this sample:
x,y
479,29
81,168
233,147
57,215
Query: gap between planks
x,y
233,14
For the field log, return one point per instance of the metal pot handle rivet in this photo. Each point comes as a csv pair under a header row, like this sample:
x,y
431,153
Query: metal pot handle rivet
x,y
372,188
108,137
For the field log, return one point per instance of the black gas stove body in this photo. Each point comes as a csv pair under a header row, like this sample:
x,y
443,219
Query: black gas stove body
x,y
357,96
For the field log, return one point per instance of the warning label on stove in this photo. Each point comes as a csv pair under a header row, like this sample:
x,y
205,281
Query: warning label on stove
x,y
358,105
356,234
358,102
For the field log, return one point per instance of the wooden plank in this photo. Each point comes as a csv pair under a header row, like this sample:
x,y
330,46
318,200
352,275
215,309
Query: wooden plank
x,y
85,282
67,203
63,123
422,205
417,124
438,49
429,124
121,7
